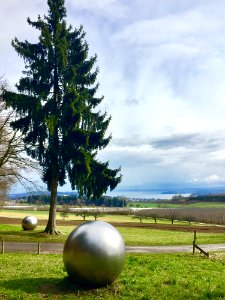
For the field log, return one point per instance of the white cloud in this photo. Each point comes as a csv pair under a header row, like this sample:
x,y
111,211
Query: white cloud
x,y
112,9
211,179
182,28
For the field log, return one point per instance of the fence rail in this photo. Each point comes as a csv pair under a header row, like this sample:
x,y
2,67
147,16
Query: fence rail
x,y
57,248
39,248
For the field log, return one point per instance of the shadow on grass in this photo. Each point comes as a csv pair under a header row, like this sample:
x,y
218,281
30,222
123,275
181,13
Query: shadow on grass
x,y
47,286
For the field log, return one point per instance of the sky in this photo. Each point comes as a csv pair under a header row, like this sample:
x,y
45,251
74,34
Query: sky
x,y
162,73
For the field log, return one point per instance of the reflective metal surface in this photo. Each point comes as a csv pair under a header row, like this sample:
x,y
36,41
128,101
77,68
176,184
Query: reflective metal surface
x,y
29,223
94,253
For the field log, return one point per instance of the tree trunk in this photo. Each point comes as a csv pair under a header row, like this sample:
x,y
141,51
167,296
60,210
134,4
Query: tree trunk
x,y
51,225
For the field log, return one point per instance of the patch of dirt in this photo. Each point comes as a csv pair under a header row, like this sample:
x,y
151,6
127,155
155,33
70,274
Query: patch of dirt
x,y
190,228
218,256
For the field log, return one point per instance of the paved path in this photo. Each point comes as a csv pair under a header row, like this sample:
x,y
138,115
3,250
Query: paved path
x,y
174,249
57,248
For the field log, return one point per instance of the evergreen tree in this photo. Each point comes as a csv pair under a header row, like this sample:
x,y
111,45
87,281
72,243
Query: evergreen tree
x,y
57,105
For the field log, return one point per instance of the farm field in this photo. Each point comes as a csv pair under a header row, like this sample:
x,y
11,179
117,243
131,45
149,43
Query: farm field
x,y
155,276
43,215
155,204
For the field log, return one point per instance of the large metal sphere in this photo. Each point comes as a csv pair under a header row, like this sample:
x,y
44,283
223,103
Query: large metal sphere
x,y
94,254
29,223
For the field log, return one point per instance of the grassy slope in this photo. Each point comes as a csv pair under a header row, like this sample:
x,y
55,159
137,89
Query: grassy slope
x,y
144,276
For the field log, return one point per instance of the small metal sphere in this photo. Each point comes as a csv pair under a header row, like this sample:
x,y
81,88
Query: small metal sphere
x,y
94,254
29,223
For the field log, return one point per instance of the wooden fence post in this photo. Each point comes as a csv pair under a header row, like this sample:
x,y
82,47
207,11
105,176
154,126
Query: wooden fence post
x,y
39,248
194,242
3,247
196,246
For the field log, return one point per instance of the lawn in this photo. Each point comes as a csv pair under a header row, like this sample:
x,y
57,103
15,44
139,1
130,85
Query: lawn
x,y
145,276
131,236
158,276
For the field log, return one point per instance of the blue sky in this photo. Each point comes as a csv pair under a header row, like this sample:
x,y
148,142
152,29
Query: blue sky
x,y
162,72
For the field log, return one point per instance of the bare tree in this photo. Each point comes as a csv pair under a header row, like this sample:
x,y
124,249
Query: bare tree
x,y
12,158
195,214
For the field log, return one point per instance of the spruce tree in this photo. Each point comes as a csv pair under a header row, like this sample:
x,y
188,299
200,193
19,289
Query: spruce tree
x,y
57,106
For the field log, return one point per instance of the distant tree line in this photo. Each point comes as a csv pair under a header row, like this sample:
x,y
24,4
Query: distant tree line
x,y
106,201
195,198
206,198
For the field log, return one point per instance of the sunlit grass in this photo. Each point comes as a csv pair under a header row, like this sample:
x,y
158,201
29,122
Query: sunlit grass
x,y
158,276
43,215
131,236
23,213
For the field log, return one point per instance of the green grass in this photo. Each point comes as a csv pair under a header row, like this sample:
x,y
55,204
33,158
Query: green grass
x,y
158,276
150,237
145,277
131,236
43,215
153,204
22,212
207,205
172,205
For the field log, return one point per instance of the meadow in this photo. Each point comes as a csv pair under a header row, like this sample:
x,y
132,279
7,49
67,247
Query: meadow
x,y
145,276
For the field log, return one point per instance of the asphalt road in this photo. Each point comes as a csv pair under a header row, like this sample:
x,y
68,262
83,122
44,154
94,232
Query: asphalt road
x,y
57,248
